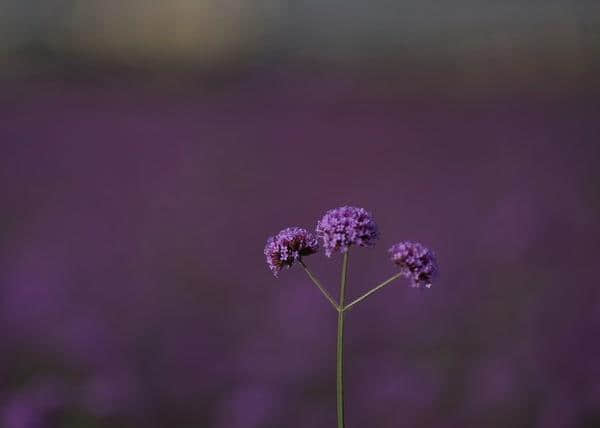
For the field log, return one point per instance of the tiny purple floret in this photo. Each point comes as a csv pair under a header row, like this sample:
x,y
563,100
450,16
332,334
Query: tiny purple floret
x,y
416,262
288,246
342,227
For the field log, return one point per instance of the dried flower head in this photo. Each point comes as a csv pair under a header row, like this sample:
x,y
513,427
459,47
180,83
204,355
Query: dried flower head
x,y
345,226
416,262
288,246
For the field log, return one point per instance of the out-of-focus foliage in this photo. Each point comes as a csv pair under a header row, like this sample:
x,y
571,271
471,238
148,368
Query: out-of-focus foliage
x,y
465,41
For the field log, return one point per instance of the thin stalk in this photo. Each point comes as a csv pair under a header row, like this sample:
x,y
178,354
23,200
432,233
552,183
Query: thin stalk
x,y
320,287
368,293
340,346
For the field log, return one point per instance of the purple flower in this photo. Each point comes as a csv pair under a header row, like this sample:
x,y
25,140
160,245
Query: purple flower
x,y
345,226
416,262
288,246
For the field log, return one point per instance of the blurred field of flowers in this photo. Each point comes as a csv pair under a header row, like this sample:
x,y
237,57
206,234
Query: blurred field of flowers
x,y
148,148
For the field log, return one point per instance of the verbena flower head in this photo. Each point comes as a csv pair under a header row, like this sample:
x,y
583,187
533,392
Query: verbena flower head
x,y
416,262
345,226
288,246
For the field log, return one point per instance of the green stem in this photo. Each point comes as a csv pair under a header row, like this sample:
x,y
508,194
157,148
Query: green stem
x,y
368,293
340,346
320,286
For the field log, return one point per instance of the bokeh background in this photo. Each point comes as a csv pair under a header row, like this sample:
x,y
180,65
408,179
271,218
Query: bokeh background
x,y
148,149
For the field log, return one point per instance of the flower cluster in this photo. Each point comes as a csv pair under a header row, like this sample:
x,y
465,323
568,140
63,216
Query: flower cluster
x,y
343,227
338,230
416,262
288,246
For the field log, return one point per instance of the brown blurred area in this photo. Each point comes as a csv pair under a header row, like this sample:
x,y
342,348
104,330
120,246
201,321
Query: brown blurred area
x,y
465,44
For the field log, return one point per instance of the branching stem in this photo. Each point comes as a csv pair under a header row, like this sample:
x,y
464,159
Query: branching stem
x,y
340,345
320,287
368,293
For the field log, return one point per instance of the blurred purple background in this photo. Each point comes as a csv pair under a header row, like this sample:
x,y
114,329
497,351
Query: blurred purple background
x,y
136,201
